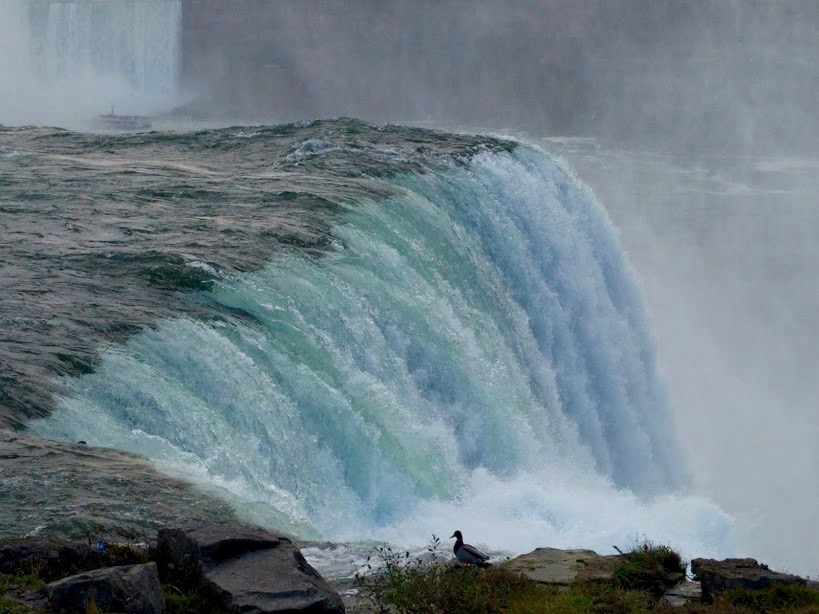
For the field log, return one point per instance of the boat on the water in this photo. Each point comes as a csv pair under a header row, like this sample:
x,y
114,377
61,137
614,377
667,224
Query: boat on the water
x,y
114,121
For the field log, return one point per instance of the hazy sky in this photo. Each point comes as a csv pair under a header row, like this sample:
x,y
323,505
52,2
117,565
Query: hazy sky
x,y
735,75
725,73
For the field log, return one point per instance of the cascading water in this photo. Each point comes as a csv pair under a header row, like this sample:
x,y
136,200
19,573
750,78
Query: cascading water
x,y
137,41
74,59
471,349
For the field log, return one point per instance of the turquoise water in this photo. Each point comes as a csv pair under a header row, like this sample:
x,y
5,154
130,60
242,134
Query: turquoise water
x,y
469,346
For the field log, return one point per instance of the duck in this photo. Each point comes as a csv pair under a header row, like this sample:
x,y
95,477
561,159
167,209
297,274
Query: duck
x,y
467,554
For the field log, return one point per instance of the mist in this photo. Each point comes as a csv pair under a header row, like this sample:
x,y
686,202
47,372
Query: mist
x,y
64,63
726,252
738,76
709,108
705,153
730,75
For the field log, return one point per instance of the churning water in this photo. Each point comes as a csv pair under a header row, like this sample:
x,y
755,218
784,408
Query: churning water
x,y
347,331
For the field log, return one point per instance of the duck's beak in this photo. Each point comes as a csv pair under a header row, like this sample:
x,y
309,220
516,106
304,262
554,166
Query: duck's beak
x,y
451,536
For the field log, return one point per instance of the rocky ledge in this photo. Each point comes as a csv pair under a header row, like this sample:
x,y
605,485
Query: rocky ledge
x,y
711,578
217,568
248,569
719,576
49,488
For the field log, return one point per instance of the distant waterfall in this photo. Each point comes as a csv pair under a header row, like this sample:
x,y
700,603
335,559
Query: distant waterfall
x,y
135,41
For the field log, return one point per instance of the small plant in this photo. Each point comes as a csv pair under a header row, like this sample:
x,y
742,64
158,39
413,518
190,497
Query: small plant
x,y
649,567
434,545
588,598
8,606
437,587
184,578
194,602
29,576
404,586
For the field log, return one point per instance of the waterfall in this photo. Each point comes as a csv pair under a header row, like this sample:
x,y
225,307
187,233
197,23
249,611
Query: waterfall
x,y
65,62
133,40
476,335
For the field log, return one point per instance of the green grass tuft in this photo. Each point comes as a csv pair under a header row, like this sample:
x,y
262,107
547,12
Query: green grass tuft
x,y
592,598
190,602
416,589
649,567
436,588
72,561
8,606
186,603
781,597
29,577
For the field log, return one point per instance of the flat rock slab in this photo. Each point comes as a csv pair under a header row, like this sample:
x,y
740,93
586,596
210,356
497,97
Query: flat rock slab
x,y
130,589
248,569
554,566
717,576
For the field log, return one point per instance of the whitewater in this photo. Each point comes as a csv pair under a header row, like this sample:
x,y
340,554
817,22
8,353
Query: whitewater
x,y
351,332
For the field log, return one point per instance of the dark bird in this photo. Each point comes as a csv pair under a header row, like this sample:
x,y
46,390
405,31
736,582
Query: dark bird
x,y
467,554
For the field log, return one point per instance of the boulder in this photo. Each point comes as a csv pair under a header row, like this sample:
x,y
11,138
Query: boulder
x,y
49,555
717,576
130,589
56,558
553,566
248,569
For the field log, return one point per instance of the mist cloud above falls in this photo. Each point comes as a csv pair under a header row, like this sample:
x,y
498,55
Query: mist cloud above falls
x,y
726,73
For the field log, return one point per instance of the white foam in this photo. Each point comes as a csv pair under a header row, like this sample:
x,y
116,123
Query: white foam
x,y
559,509
311,148
203,266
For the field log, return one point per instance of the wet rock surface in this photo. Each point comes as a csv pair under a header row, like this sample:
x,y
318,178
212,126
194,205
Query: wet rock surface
x,y
55,489
249,569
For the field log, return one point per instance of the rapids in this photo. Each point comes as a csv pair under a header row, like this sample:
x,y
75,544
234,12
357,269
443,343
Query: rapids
x,y
459,338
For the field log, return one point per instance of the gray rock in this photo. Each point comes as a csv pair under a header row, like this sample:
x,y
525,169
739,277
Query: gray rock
x,y
249,569
55,558
109,494
553,566
43,553
130,589
717,576
682,594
